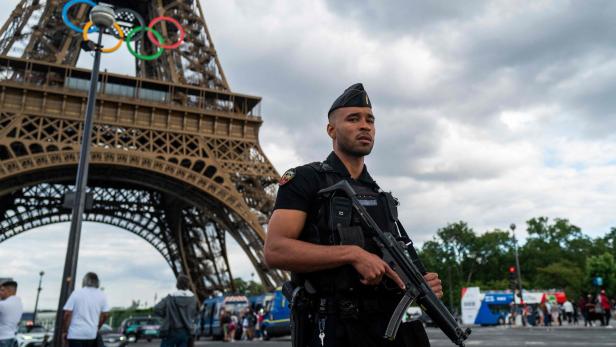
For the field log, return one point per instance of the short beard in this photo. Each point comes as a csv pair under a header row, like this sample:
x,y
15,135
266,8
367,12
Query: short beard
x,y
354,152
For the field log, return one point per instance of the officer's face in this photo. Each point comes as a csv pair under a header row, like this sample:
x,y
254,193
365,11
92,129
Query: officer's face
x,y
352,129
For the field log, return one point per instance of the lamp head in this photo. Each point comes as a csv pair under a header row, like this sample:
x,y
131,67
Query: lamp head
x,y
102,16
512,226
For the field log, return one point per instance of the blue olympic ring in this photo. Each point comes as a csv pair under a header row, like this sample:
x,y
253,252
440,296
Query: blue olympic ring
x,y
68,22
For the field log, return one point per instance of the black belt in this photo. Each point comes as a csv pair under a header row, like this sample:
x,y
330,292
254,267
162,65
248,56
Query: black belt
x,y
347,305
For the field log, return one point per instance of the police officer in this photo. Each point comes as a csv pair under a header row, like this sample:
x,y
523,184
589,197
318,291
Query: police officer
x,y
351,291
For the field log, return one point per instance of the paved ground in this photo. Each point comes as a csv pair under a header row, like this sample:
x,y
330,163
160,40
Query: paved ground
x,y
497,336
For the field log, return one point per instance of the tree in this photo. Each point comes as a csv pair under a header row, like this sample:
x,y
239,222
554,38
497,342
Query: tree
x,y
606,243
562,275
248,288
556,255
603,266
493,254
448,254
550,243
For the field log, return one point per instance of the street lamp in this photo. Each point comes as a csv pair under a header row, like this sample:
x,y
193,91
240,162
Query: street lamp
x,y
519,271
102,17
38,293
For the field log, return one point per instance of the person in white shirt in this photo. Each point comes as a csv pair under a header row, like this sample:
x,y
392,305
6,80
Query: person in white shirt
x,y
85,312
568,308
11,310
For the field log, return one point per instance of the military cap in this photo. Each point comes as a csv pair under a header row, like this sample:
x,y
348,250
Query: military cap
x,y
7,282
353,96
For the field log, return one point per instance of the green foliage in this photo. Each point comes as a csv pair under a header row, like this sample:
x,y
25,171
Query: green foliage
x,y
556,255
604,266
564,275
248,288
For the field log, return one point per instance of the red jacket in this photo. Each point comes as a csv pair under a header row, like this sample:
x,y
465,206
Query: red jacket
x,y
605,302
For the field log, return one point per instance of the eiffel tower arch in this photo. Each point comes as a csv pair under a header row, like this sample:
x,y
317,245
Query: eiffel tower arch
x,y
175,153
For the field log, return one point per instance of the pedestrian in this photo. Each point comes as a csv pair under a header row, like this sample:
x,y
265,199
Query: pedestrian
x,y
329,254
225,321
260,326
556,313
568,309
547,314
11,310
85,311
605,305
581,304
178,311
248,324
244,320
599,312
589,306
233,327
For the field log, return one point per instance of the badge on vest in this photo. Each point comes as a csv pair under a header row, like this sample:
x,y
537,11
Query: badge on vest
x,y
368,202
286,177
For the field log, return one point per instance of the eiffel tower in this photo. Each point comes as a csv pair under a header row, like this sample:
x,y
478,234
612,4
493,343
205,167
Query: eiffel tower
x,y
175,153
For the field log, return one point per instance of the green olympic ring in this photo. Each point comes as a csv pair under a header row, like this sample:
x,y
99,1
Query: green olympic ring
x,y
133,32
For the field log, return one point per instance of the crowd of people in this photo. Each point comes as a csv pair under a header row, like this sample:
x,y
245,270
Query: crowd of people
x,y
598,308
592,310
247,326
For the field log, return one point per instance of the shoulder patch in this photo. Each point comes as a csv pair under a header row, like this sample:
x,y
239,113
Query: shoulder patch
x,y
286,177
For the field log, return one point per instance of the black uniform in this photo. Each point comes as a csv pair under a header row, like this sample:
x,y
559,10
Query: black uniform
x,y
347,312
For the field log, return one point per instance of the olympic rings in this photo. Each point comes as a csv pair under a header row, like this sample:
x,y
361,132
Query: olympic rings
x,y
129,38
68,22
105,50
154,36
172,21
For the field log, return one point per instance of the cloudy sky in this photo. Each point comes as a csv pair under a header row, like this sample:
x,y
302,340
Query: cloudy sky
x,y
490,112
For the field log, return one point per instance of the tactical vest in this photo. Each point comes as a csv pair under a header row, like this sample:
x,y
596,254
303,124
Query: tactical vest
x,y
332,222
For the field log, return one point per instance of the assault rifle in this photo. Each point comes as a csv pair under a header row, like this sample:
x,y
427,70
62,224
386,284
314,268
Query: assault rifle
x,y
402,258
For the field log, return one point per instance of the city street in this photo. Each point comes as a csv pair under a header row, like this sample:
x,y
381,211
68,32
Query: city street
x,y
496,336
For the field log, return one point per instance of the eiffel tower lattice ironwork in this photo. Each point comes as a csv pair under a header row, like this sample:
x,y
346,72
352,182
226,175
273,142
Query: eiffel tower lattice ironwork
x,y
175,154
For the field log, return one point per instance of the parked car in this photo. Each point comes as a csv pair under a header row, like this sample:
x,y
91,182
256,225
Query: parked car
x,y
140,328
111,338
31,336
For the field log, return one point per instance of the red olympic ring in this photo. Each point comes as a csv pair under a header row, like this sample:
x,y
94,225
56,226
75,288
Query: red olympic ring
x,y
172,21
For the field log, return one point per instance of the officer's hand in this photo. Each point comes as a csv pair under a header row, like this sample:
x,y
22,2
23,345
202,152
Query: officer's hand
x,y
372,268
435,283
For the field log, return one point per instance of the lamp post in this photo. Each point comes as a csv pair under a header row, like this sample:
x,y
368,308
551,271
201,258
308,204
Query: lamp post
x,y
519,272
38,293
102,17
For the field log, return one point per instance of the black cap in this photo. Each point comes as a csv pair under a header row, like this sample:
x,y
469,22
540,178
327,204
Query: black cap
x,y
9,283
353,96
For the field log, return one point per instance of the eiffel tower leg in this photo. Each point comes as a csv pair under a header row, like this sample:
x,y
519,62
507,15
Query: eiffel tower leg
x,y
173,213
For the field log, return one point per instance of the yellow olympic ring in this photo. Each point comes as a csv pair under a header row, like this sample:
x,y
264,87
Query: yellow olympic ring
x,y
105,50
